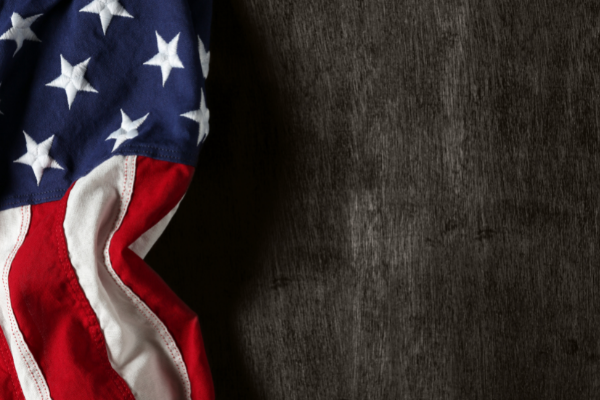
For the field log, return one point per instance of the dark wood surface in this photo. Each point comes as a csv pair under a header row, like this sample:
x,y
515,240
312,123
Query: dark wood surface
x,y
397,200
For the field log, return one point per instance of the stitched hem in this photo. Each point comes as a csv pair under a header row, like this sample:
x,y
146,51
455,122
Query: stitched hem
x,y
91,322
154,152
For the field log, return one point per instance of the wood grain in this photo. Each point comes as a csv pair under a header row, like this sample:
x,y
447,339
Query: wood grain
x,y
397,200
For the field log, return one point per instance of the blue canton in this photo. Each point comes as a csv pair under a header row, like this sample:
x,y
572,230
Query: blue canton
x,y
84,80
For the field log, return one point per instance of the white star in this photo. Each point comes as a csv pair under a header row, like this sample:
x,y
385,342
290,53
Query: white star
x,y
72,79
204,57
128,129
200,116
106,9
37,156
167,57
21,30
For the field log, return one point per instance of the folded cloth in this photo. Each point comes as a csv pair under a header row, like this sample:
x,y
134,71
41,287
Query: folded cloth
x,y
103,114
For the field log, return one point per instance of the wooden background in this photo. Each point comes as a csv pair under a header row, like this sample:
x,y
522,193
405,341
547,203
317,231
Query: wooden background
x,y
398,199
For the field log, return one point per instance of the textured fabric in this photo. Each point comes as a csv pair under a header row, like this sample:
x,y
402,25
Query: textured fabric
x,y
83,89
102,116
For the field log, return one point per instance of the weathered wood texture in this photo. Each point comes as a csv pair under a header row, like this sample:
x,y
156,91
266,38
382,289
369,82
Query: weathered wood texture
x,y
398,200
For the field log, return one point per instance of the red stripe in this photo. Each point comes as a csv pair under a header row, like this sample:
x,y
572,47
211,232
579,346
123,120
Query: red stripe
x,y
10,389
159,186
55,317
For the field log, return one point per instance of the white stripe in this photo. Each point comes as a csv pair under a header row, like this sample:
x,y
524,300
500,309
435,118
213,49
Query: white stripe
x,y
144,243
139,346
14,224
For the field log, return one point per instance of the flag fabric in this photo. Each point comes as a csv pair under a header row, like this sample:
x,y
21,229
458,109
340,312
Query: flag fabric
x,y
103,114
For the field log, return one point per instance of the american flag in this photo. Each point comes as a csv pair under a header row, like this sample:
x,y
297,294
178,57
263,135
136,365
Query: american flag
x,y
103,114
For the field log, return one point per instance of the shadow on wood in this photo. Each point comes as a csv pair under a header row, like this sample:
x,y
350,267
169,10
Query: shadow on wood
x,y
211,251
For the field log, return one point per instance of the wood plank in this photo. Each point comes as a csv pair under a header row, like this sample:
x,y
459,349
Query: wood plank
x,y
397,200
